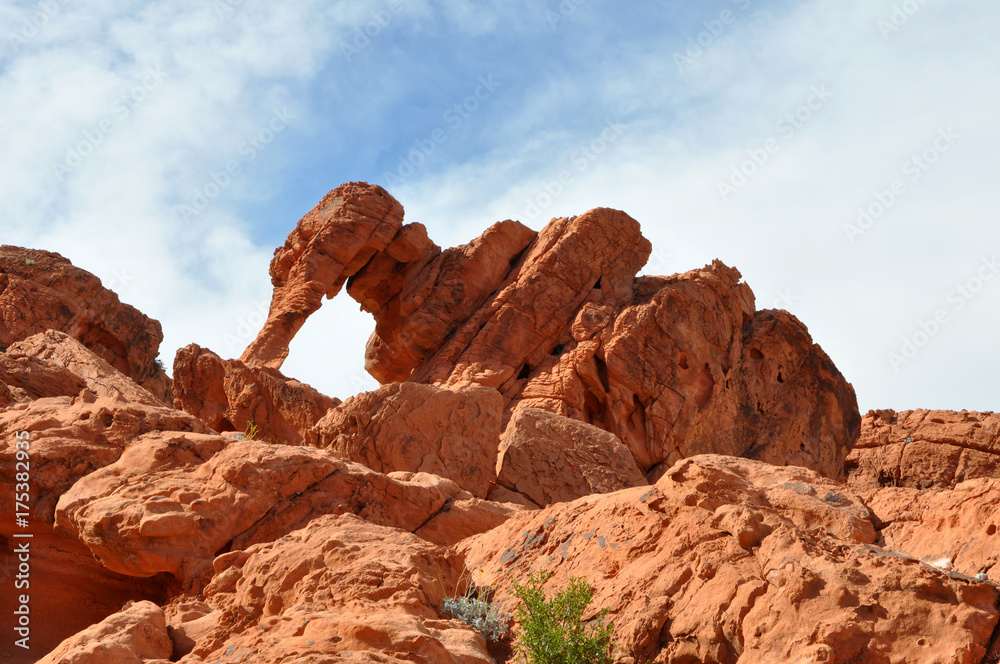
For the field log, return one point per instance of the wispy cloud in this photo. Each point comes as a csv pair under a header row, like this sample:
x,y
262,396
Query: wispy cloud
x,y
170,101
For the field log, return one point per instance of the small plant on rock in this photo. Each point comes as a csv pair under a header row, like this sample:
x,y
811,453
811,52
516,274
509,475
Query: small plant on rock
x,y
474,608
251,431
553,630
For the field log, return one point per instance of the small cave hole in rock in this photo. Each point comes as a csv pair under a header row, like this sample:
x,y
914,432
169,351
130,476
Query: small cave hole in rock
x,y
524,373
991,530
780,379
756,354
682,361
558,349
597,285
225,425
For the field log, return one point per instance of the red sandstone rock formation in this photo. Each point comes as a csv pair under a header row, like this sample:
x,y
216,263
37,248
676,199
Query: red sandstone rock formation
x,y
549,459
527,367
955,529
557,320
340,589
328,246
137,633
728,560
419,428
70,437
228,395
41,290
173,502
924,448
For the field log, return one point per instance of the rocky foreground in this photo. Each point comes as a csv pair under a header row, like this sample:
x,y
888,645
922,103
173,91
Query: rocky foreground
x,y
701,463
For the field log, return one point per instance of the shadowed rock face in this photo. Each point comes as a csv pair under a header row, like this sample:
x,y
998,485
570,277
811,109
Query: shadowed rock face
x,y
558,321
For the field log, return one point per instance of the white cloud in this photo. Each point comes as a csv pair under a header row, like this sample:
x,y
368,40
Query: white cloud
x,y
784,228
224,73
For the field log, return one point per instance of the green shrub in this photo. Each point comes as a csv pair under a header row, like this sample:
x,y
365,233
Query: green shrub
x,y
553,630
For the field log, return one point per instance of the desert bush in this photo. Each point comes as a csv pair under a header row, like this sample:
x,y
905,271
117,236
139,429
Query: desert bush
x,y
553,630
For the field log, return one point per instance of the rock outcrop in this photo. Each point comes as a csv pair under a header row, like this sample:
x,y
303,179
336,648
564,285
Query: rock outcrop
x,y
340,589
41,290
549,458
954,529
173,502
542,408
728,560
924,448
137,633
328,246
228,395
557,320
419,428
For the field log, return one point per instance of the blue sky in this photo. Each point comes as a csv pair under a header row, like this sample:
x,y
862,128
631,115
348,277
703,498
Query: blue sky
x,y
841,154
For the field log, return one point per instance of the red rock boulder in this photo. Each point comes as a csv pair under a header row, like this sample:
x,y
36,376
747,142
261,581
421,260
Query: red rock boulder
x,y
549,459
229,395
41,290
419,428
339,589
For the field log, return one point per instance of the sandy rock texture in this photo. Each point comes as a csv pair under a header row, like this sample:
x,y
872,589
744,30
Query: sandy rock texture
x,y
419,428
228,395
924,448
731,560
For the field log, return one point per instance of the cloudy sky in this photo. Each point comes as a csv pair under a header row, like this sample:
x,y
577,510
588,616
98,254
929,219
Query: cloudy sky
x,y
842,154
